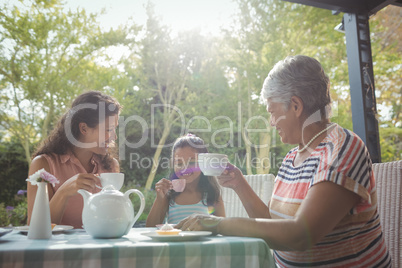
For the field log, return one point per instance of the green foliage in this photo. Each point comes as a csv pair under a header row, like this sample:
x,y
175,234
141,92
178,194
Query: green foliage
x,y
390,143
14,216
387,62
342,114
4,215
180,71
47,57
149,196
13,171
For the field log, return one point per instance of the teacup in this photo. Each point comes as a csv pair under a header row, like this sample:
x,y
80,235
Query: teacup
x,y
114,179
179,185
212,164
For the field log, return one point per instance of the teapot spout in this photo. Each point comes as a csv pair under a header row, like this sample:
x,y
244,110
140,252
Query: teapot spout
x,y
85,194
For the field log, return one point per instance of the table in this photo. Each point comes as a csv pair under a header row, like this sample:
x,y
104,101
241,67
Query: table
x,y
75,248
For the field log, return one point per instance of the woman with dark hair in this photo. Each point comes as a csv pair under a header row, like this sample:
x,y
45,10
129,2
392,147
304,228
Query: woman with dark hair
x,y
323,210
201,193
75,151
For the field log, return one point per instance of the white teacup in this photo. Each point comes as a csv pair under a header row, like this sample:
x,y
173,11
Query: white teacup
x,y
212,164
114,179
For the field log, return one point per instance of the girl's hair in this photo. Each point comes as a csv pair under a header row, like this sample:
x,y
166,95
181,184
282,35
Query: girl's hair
x,y
91,108
300,76
208,185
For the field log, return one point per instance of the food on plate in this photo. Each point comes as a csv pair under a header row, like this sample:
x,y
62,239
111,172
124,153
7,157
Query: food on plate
x,y
168,232
53,225
167,229
158,226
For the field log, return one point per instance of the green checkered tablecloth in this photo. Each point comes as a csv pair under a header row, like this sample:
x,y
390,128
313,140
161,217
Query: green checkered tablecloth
x,y
78,249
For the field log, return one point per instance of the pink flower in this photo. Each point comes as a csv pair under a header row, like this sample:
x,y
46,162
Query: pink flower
x,y
42,176
49,177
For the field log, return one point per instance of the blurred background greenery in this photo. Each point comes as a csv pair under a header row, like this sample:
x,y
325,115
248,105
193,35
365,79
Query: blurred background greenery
x,y
49,55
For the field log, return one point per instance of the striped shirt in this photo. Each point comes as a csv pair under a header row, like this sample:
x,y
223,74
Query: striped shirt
x,y
179,212
357,240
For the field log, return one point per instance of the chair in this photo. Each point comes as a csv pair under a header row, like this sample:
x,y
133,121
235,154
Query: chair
x,y
262,184
388,178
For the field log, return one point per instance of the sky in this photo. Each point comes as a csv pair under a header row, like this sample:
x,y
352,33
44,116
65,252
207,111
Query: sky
x,y
179,14
207,15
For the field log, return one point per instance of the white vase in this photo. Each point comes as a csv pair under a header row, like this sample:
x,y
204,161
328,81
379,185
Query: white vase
x,y
40,226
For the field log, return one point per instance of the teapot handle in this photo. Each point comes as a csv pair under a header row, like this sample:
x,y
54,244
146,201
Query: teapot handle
x,y
142,206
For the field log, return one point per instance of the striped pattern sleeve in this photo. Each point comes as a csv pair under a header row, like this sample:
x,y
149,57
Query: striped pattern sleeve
x,y
346,162
356,240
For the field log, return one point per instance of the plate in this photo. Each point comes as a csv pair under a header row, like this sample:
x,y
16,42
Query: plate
x,y
182,236
4,231
158,226
57,228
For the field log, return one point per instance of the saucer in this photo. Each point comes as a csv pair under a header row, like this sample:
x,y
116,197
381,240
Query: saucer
x,y
57,228
182,236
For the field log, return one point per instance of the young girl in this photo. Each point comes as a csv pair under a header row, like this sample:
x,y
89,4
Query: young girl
x,y
76,150
201,193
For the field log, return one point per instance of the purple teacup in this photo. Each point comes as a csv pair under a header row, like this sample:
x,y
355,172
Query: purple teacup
x,y
179,185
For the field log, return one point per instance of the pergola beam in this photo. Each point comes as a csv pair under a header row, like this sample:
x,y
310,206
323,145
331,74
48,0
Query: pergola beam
x,y
361,80
350,6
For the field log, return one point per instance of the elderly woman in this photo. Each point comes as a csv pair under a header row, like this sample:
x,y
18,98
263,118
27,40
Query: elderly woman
x,y
323,210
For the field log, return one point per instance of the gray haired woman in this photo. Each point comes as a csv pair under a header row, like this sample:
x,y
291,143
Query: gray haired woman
x,y
323,211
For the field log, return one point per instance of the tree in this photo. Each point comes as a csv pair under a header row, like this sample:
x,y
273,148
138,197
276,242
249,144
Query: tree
x,y
169,64
13,171
166,79
176,77
391,143
387,49
47,57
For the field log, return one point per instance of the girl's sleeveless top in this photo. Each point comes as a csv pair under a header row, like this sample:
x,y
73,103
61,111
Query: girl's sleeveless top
x,y
178,212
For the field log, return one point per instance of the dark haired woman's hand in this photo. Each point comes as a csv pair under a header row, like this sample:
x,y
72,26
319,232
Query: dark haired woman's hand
x,y
232,177
84,181
162,187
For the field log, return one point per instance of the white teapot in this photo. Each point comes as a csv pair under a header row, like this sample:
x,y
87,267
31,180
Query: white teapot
x,y
109,213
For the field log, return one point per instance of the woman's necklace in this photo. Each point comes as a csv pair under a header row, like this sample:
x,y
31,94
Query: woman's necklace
x,y
313,138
